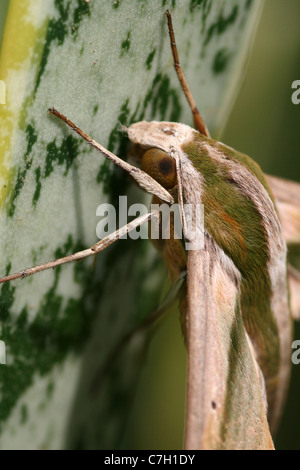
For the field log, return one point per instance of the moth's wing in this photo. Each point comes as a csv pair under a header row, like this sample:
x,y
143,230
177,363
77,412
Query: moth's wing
x,y
287,198
225,396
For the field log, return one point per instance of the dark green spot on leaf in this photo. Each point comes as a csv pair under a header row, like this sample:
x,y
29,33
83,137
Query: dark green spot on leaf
x,y
149,59
116,4
31,138
165,3
38,186
125,46
220,61
221,24
65,154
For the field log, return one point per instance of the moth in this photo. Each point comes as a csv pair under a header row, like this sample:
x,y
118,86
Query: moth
x,y
234,300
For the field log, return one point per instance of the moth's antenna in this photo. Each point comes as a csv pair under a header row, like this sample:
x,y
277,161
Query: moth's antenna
x,y
143,179
198,121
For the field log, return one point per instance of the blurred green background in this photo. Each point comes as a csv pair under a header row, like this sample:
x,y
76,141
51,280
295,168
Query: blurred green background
x,y
264,124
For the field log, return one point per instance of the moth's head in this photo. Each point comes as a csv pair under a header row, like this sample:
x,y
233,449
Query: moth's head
x,y
154,148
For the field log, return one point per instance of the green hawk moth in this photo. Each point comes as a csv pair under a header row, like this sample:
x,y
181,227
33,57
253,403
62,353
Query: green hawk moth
x,y
235,301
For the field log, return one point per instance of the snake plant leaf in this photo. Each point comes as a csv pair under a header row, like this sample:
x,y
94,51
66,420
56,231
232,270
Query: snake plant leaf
x,y
102,64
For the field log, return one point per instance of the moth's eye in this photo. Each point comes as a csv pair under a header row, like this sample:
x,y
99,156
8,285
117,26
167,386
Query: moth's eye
x,y
160,166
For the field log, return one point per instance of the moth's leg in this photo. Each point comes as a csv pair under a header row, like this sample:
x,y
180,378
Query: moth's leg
x,y
95,249
143,179
139,336
198,121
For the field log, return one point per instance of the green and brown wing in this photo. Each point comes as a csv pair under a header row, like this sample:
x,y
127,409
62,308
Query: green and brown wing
x,y
225,394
